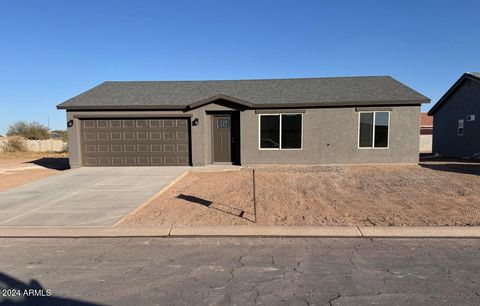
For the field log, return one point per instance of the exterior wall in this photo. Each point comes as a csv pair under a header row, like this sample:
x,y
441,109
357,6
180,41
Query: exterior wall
x,y
203,142
330,136
464,101
425,143
200,149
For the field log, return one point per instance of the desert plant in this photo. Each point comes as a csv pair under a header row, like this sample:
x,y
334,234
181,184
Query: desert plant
x,y
28,130
14,144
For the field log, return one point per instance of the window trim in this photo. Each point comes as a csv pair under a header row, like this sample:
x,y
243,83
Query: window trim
x,y
373,130
462,127
280,132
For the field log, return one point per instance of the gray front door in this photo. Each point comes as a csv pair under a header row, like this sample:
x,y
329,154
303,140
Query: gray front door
x,y
222,139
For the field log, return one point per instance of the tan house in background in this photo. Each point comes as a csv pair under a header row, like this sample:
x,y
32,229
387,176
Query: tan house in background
x,y
426,131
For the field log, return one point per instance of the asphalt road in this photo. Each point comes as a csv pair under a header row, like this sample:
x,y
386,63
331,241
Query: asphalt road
x,y
241,271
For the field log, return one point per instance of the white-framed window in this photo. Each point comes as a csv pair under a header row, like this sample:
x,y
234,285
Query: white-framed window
x,y
471,117
460,127
374,130
280,131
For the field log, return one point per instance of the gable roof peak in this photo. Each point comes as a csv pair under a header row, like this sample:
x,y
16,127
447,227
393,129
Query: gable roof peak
x,y
467,75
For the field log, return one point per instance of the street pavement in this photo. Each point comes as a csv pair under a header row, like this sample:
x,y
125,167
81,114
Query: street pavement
x,y
240,271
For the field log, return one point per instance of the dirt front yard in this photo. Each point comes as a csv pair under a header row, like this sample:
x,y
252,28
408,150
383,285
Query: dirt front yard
x,y
385,195
19,168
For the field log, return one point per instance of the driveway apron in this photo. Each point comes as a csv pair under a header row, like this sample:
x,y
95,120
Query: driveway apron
x,y
84,196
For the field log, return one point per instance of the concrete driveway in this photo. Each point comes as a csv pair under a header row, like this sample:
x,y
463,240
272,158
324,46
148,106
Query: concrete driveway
x,y
84,197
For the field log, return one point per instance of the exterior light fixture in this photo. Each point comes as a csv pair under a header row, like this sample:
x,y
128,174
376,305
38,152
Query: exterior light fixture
x,y
195,122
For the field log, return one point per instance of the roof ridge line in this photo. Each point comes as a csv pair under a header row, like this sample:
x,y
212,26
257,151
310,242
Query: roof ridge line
x,y
266,79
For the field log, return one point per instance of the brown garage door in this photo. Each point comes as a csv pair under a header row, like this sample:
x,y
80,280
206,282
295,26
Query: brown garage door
x,y
135,142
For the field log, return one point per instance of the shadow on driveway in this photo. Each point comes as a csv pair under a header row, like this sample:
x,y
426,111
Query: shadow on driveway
x,y
56,163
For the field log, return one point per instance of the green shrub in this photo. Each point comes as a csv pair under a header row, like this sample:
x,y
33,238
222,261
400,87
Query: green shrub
x,y
14,144
28,130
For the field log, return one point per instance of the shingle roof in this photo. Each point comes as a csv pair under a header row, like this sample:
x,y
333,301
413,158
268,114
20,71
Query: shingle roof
x,y
475,74
470,75
255,93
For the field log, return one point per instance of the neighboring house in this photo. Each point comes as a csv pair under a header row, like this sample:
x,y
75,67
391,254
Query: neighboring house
x,y
282,121
426,131
456,118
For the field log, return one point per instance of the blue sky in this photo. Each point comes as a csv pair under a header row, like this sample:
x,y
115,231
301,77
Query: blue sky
x,y
53,50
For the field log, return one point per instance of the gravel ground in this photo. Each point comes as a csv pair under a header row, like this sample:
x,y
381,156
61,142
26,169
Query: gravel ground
x,y
433,194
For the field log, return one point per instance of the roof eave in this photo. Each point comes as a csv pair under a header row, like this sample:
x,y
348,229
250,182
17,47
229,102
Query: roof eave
x,y
250,105
450,91
121,107
343,103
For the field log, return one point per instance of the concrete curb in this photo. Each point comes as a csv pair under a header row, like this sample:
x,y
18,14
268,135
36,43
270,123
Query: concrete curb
x,y
266,231
240,231
420,232
82,232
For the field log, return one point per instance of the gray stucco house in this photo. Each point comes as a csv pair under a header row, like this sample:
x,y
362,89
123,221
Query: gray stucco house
x,y
299,121
456,119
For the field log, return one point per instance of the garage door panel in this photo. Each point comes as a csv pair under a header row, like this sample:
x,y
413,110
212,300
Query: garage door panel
x,y
89,124
169,148
116,123
135,142
129,136
116,148
156,148
155,135
117,161
90,161
144,160
169,135
181,123
104,161
105,148
169,123
143,136
129,148
116,136
182,148
130,161
90,148
181,135
103,123
102,136
142,123
143,148
88,136
129,123
170,161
